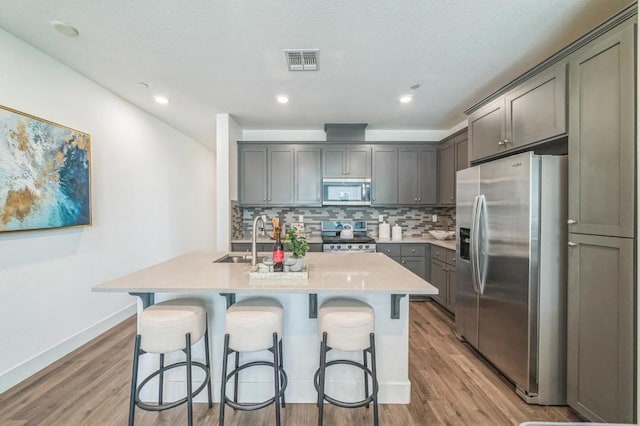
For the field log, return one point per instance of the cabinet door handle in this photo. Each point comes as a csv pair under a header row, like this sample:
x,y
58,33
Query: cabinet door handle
x,y
413,250
264,199
571,244
506,141
500,142
388,251
444,269
571,222
415,199
419,199
402,262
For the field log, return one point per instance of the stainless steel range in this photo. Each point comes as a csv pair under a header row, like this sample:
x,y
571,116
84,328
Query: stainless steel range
x,y
346,236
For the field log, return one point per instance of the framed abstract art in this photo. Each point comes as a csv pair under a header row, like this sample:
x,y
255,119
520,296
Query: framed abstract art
x,y
45,174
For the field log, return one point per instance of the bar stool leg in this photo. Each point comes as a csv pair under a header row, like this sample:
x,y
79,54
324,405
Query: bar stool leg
x,y
366,377
134,380
282,368
323,362
236,379
189,381
276,377
223,379
208,361
161,384
374,377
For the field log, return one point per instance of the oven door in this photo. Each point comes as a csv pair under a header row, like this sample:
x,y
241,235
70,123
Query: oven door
x,y
346,192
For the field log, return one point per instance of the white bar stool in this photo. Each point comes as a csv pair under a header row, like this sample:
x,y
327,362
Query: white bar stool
x,y
168,327
347,325
253,325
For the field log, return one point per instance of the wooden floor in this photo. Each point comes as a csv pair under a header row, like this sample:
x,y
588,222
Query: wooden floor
x,y
450,386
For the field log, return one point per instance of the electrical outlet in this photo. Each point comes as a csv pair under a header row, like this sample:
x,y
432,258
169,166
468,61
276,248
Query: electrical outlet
x,y
380,218
264,218
434,218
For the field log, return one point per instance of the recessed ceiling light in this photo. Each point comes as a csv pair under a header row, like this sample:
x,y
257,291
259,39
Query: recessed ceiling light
x,y
283,99
406,98
163,100
65,29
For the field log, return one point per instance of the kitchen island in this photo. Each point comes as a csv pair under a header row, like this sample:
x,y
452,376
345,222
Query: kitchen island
x,y
371,277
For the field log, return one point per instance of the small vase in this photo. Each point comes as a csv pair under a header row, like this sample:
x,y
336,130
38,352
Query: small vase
x,y
297,267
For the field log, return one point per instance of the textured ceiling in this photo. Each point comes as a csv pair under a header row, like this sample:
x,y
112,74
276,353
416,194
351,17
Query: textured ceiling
x,y
213,56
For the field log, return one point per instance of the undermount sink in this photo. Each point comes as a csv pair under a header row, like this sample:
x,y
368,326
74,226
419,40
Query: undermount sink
x,y
234,259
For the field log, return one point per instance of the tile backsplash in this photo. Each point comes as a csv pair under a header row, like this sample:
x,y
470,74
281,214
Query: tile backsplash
x,y
414,221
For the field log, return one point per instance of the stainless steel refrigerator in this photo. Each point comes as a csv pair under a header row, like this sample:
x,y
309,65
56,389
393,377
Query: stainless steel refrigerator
x,y
511,282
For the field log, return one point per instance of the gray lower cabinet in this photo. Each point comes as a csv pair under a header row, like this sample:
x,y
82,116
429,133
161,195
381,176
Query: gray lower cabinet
x,y
342,161
413,256
384,180
532,112
443,276
265,175
602,135
601,333
307,179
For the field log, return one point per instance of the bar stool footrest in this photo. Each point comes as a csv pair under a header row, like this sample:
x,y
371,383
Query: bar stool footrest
x,y
250,406
368,400
162,407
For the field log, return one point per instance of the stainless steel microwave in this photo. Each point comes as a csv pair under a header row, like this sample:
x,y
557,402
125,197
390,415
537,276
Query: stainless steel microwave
x,y
346,192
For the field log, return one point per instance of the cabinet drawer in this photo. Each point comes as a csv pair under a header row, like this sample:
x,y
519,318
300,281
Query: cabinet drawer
x,y
439,253
451,257
412,250
389,249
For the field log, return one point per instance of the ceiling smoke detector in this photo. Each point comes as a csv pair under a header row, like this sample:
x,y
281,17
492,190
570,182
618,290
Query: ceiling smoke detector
x,y
302,59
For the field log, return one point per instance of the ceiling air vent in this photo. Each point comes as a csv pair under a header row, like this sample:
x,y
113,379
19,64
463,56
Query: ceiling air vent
x,y
302,59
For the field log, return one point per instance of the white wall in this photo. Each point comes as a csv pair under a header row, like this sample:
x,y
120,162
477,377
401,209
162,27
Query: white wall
x,y
228,132
152,198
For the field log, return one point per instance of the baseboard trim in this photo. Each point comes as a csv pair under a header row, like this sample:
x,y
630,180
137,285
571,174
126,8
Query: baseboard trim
x,y
31,366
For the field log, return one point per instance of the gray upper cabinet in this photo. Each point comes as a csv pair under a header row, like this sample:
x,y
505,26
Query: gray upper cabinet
x,y
447,173
428,172
534,111
308,176
487,130
601,135
346,161
280,176
453,157
384,179
252,175
417,175
265,175
600,338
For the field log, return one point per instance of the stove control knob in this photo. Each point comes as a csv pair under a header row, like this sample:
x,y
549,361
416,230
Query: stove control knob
x,y
332,246
360,246
349,246
367,246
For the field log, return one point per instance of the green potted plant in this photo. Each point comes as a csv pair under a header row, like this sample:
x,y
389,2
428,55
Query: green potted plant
x,y
296,243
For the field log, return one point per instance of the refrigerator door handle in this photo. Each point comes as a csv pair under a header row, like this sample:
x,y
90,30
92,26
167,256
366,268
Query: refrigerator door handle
x,y
482,205
474,245
476,273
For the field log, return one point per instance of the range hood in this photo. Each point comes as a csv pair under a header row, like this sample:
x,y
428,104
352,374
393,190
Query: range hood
x,y
340,132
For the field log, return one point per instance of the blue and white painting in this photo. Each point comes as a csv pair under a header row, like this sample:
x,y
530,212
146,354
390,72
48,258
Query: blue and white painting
x,y
44,174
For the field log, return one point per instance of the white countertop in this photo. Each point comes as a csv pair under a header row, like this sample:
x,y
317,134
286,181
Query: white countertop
x,y
328,273
316,239
448,244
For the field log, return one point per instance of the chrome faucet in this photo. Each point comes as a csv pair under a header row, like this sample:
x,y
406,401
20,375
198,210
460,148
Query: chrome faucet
x,y
254,233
